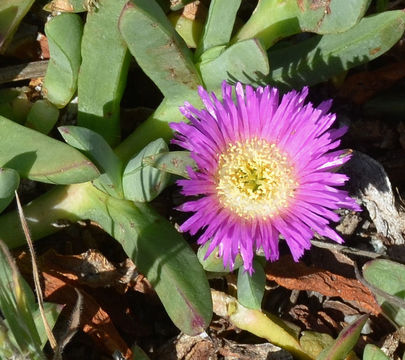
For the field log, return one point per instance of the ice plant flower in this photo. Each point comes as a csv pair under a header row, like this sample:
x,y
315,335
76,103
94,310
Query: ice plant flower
x,y
265,168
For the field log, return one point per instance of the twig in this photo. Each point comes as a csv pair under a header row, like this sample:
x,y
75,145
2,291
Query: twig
x,y
345,249
35,274
23,71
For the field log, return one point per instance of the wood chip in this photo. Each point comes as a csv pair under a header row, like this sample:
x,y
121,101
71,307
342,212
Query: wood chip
x,y
23,71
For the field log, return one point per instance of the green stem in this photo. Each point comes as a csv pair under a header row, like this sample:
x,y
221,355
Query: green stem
x,y
156,126
256,322
43,215
152,129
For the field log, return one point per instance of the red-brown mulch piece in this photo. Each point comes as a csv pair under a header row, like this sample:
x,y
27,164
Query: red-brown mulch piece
x,y
298,276
61,289
362,86
95,321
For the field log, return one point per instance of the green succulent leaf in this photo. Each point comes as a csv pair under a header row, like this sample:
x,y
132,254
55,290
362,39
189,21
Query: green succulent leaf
x,y
319,58
17,304
142,182
158,251
273,20
345,342
97,149
138,353
314,342
214,263
14,104
388,276
156,248
156,126
42,116
64,33
11,14
9,181
372,352
158,49
169,264
219,25
38,157
103,71
173,162
7,96
331,17
52,312
189,28
245,61
251,287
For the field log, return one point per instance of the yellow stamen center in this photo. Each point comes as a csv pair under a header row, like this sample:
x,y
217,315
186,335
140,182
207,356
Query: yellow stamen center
x,y
255,179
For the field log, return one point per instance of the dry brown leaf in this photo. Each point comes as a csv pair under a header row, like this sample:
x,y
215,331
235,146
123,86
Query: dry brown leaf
x,y
61,289
95,321
298,276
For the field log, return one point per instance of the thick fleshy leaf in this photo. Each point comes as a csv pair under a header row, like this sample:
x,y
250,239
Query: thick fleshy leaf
x,y
275,20
345,342
319,58
156,126
159,252
215,263
17,304
388,276
168,262
372,352
7,96
52,312
64,33
158,49
9,181
190,29
251,287
103,71
138,353
313,342
331,17
14,104
245,61
11,14
97,149
142,182
219,25
173,162
41,158
42,116
156,248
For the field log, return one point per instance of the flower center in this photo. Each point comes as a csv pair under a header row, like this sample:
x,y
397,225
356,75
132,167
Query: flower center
x,y
255,179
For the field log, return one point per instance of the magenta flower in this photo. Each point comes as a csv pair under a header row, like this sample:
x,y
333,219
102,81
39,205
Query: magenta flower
x,y
265,168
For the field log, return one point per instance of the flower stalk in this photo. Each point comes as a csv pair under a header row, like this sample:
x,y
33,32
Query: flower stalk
x,y
257,323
